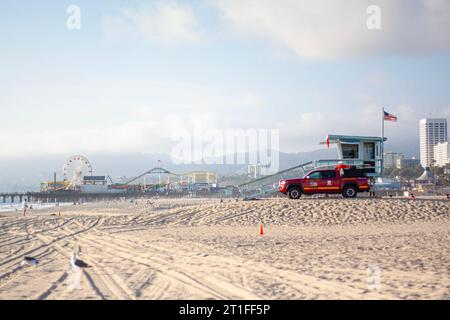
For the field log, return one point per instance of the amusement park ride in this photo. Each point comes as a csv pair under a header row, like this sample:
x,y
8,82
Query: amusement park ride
x,y
74,170
77,173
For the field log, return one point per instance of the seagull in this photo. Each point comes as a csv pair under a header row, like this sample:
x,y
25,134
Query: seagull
x,y
29,261
75,262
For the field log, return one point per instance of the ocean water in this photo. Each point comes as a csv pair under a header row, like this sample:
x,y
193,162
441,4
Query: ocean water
x,y
16,206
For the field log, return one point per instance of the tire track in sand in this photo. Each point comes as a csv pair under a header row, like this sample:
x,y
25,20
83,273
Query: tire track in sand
x,y
166,268
215,285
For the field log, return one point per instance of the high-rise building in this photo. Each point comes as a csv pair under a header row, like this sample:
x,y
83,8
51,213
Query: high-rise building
x,y
442,154
391,158
407,163
432,132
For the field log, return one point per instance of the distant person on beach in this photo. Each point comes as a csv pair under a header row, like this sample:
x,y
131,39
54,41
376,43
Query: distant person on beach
x,y
371,188
24,207
59,209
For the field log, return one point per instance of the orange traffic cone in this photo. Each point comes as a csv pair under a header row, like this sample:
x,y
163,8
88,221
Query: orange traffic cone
x,y
261,230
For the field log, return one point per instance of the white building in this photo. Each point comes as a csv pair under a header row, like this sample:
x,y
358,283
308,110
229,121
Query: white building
x,y
442,154
391,159
258,170
432,132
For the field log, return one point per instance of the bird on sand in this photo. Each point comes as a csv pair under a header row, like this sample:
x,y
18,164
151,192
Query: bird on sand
x,y
75,262
30,261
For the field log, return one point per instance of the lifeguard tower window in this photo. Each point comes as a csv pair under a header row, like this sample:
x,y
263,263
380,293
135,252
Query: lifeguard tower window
x,y
350,151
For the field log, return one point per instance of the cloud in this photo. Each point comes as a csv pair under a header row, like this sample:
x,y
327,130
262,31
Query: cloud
x,y
304,131
321,29
327,29
124,137
162,22
116,116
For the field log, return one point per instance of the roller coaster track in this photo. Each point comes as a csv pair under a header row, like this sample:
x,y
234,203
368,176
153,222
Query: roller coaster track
x,y
153,171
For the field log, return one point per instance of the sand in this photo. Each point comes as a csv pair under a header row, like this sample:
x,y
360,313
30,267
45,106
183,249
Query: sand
x,y
205,249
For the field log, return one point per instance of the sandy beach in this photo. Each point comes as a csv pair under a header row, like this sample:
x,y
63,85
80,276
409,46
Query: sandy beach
x,y
206,249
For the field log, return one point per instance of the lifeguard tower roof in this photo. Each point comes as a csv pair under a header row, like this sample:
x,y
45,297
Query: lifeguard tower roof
x,y
334,138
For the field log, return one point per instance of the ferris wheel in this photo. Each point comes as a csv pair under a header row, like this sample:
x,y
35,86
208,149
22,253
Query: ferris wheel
x,y
75,168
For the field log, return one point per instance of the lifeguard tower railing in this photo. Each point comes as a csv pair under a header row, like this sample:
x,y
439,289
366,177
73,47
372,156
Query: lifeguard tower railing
x,y
268,185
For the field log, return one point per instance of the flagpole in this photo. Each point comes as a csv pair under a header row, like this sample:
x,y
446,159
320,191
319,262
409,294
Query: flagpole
x,y
382,141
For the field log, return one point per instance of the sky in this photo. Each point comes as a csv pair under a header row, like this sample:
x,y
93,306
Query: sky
x,y
137,71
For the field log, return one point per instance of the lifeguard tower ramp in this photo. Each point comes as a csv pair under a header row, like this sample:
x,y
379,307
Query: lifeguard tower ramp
x,y
268,185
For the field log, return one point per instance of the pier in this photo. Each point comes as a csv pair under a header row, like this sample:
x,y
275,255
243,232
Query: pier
x,y
13,196
66,196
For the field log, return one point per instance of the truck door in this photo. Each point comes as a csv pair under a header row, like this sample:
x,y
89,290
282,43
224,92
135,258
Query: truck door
x,y
330,182
312,181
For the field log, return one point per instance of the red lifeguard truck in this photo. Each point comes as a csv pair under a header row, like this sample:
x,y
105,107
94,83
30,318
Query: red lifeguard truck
x,y
340,179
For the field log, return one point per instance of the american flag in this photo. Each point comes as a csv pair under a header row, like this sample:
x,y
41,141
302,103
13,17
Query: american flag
x,y
389,117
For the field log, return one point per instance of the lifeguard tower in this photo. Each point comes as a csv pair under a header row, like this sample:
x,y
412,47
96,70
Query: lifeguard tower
x,y
363,154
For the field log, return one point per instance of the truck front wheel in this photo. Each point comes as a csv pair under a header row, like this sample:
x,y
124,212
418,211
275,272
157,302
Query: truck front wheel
x,y
294,193
349,192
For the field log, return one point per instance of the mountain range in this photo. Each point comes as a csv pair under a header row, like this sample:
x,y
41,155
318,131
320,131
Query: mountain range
x,y
26,174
